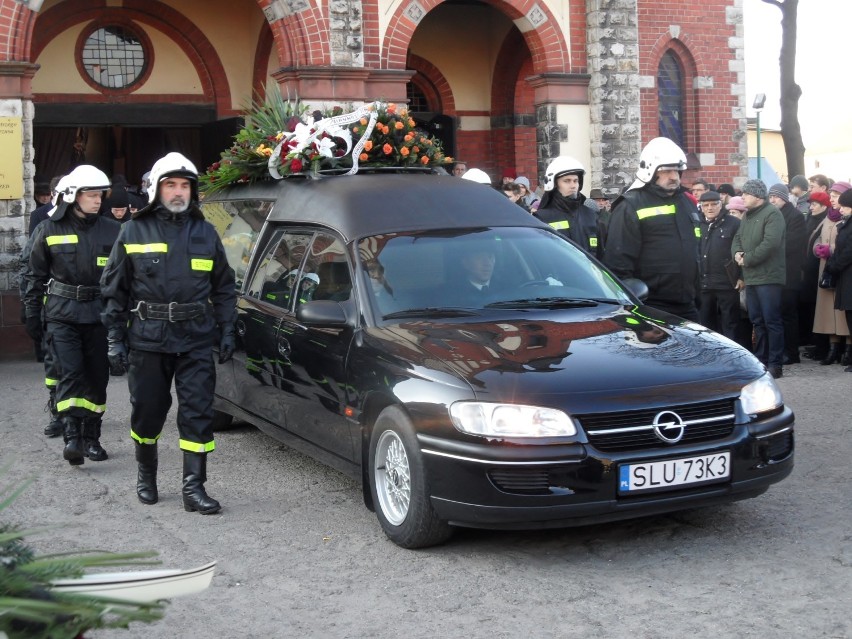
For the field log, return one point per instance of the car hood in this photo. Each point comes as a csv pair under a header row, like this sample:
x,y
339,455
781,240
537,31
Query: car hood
x,y
583,356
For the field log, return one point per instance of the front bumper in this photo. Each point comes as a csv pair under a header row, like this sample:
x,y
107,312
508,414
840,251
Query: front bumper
x,y
528,487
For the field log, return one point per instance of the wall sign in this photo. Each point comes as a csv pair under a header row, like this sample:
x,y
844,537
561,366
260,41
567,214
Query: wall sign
x,y
11,165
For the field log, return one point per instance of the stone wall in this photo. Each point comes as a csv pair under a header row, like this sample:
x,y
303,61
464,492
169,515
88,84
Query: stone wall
x,y
346,38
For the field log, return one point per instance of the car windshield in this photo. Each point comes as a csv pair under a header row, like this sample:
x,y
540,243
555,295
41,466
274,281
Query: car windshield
x,y
452,272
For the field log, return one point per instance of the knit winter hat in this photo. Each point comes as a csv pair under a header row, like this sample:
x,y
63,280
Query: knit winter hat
x,y
821,198
780,190
801,181
523,181
756,188
845,198
840,187
736,203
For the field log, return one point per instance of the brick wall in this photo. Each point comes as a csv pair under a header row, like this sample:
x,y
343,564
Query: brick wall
x,y
707,39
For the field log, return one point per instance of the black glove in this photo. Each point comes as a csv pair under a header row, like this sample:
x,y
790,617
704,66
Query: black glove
x,y
35,328
226,343
116,352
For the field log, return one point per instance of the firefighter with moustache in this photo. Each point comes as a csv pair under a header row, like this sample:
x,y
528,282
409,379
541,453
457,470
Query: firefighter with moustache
x,y
67,256
168,291
563,206
654,233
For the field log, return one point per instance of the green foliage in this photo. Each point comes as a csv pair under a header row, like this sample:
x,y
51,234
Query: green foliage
x,y
29,608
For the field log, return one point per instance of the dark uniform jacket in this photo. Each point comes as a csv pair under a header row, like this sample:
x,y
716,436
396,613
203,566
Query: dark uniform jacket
x,y
840,264
796,238
654,237
716,238
573,220
70,251
162,258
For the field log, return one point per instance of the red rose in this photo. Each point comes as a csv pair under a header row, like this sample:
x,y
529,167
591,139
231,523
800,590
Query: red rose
x,y
292,122
296,165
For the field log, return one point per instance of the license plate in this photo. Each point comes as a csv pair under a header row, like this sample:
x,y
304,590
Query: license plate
x,y
673,473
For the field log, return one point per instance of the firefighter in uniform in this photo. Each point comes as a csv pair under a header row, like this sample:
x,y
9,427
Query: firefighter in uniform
x,y
167,289
654,232
67,256
563,206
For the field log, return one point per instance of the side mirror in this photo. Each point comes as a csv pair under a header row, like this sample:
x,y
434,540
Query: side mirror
x,y
637,287
322,314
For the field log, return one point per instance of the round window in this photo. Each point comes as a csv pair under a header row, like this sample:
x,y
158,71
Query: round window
x,y
114,57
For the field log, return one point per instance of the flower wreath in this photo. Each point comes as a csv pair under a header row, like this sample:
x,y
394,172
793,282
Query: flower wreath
x,y
282,139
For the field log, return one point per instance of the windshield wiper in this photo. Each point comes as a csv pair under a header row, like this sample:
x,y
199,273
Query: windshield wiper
x,y
547,302
430,311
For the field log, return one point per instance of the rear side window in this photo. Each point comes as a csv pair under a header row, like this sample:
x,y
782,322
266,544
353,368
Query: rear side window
x,y
238,223
326,272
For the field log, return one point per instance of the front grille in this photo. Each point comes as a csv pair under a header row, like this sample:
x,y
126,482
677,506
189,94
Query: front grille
x,y
636,426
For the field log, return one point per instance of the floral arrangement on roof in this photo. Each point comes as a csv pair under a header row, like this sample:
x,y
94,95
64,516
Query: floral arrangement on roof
x,y
282,138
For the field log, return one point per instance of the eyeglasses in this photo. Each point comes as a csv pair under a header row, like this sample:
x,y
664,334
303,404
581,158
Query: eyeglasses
x,y
711,204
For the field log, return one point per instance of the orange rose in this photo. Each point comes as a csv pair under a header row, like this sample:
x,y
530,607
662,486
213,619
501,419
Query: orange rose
x,y
412,123
363,157
391,108
404,151
416,149
398,126
355,129
424,159
409,137
368,145
387,149
363,121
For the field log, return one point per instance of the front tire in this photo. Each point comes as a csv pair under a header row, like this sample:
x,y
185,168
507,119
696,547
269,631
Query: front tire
x,y
398,484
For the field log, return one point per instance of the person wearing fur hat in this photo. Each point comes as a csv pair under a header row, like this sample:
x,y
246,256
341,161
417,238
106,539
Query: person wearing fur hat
x,y
67,255
795,239
827,320
168,292
839,262
759,248
653,232
564,208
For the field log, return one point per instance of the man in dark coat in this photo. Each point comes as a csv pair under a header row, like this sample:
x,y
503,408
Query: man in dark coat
x,y
720,299
795,239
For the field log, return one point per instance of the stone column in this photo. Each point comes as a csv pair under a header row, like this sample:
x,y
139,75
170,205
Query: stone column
x,y
562,117
613,62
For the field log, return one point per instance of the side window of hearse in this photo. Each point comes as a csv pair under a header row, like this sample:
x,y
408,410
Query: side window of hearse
x,y
239,223
275,280
326,274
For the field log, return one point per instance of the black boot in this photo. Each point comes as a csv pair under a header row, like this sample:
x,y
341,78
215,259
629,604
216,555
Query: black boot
x,y
72,433
146,478
846,359
194,476
54,428
91,439
834,354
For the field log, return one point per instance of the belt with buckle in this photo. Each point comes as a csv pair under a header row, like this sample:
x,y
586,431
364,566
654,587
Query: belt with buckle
x,y
172,311
80,293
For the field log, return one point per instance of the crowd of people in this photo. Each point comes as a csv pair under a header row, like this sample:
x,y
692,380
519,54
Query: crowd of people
x,y
768,266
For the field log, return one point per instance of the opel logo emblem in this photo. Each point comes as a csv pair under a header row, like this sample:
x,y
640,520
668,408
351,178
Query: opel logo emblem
x,y
669,427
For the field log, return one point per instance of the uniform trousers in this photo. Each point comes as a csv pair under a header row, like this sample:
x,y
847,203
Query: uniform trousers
x,y
78,359
150,378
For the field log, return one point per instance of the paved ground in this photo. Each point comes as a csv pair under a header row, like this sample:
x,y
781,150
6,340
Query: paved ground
x,y
299,556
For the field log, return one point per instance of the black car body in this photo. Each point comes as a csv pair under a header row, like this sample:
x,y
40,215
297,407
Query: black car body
x,y
555,399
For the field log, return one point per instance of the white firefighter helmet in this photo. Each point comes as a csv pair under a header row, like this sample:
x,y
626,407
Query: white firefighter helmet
x,y
172,165
563,165
659,152
477,175
84,178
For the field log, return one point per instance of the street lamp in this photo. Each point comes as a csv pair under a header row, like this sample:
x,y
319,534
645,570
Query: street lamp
x,y
759,101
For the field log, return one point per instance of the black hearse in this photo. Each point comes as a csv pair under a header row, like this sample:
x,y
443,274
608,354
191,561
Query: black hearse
x,y
471,367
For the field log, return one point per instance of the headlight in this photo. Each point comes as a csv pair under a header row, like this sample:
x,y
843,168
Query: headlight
x,y
760,396
510,420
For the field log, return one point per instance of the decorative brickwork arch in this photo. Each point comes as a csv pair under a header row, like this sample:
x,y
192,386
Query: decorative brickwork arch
x,y
17,24
265,41
184,33
547,46
433,84
301,38
508,83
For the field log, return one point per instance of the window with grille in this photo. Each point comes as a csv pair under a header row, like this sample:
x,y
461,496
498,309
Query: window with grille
x,y
114,57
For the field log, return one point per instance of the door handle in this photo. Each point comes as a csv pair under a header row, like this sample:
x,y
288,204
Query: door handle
x,y
284,347
241,328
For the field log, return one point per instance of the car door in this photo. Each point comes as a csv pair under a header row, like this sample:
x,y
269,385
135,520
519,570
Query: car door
x,y
261,367
317,357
